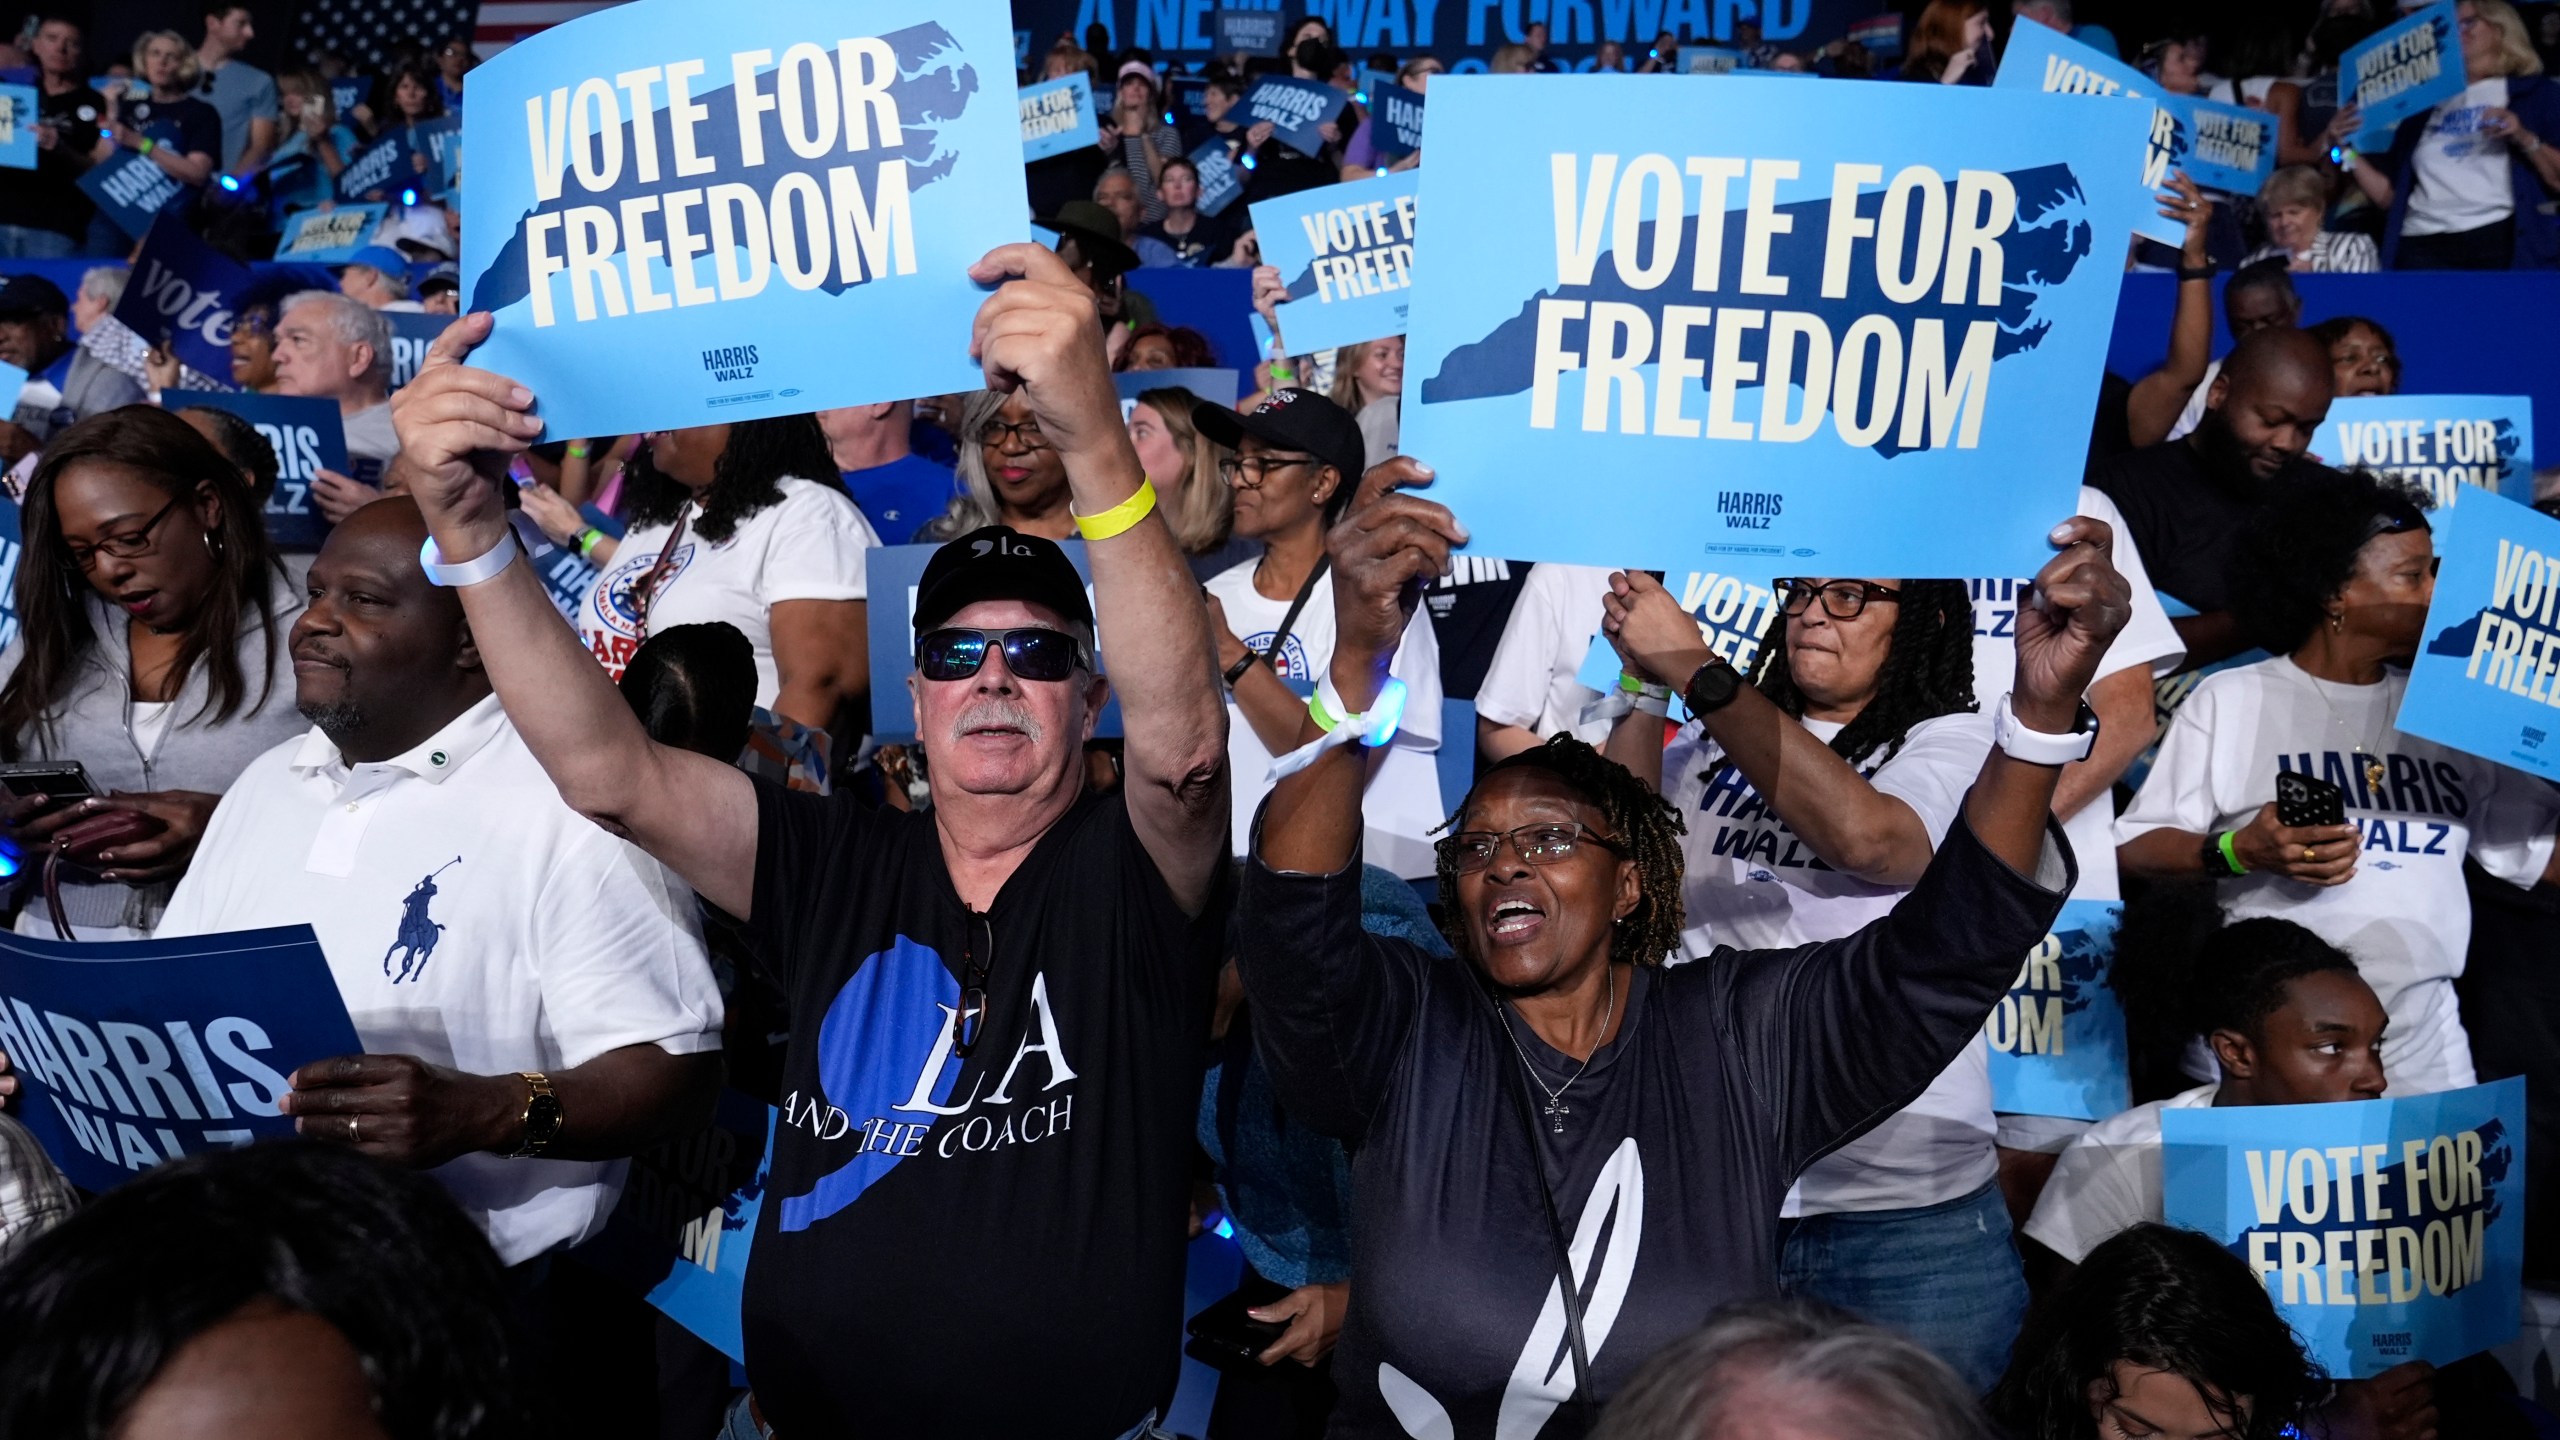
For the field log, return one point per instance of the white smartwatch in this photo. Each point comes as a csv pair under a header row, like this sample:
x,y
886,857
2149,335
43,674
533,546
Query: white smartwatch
x,y
2037,747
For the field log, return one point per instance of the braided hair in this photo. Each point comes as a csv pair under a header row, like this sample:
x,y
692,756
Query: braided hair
x,y
747,477
1646,825
1927,672
2182,972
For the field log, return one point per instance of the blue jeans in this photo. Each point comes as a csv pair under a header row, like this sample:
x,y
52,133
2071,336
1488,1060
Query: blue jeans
x,y
31,242
1945,1275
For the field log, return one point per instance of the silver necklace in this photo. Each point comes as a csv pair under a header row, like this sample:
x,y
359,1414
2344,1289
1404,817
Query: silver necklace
x,y
2367,757
1555,1109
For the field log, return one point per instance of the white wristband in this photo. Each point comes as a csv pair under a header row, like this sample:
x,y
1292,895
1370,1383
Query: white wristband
x,y
1372,727
469,572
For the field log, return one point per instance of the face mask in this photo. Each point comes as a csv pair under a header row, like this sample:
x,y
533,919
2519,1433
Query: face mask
x,y
1314,56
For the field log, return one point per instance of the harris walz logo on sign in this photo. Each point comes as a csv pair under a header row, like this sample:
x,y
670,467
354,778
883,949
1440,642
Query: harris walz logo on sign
x,y
419,931
731,362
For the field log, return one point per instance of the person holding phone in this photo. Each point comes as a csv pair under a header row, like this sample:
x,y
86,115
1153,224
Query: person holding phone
x,y
151,650
2333,575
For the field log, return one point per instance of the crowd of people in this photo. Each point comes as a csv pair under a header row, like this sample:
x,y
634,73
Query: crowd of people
x,y
1503,1076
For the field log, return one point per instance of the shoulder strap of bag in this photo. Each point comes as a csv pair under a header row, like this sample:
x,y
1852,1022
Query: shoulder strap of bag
x,y
1571,1288
1280,637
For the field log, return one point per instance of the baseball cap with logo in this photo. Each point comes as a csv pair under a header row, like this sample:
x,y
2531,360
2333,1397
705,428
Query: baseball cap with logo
x,y
998,562
1292,419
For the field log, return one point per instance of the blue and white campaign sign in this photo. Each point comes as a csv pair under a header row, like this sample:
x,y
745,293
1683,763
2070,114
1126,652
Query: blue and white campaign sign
x,y
11,547
2057,1039
2434,443
1295,109
1732,614
1921,313
1221,180
1249,32
1397,112
18,127
411,334
568,576
2384,1230
2406,68
736,209
440,140
1709,60
686,1222
2043,59
2233,148
1217,386
328,237
1346,252
131,189
308,436
379,171
2487,680
895,571
178,294
347,92
1057,116
12,380
137,1051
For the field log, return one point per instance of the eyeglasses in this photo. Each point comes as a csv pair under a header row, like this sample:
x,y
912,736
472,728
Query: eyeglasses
x,y
1841,599
127,546
977,956
1469,851
1234,468
995,434
1031,654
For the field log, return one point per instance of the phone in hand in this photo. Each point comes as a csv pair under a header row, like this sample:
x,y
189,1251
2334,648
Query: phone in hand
x,y
2308,800
65,781
1225,1336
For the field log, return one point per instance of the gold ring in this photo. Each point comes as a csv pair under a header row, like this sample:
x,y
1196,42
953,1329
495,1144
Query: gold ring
x,y
355,1129
2309,855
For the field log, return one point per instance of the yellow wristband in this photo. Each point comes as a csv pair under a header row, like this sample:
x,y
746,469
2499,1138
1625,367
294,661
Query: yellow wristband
x,y
1119,517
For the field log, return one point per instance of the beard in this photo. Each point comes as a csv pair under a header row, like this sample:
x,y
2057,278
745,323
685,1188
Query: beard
x,y
340,720
2226,460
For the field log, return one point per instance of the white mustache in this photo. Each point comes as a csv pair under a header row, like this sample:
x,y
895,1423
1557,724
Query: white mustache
x,y
995,712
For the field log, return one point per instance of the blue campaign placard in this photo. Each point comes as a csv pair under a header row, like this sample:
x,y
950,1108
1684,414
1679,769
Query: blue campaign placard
x,y
1057,116
2436,444
2045,60
2234,147
131,189
378,170
1221,180
1709,60
12,380
568,576
1243,31
686,1223
18,127
328,237
1397,113
2385,1230
132,1052
1877,359
895,571
1214,385
11,545
308,436
752,218
2057,1039
1295,109
411,334
349,91
2406,68
1346,253
2487,680
440,141
179,293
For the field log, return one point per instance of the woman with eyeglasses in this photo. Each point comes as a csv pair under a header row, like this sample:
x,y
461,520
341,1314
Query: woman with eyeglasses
x,y
1564,1150
1813,803
1009,474
2333,577
2363,358
746,524
151,649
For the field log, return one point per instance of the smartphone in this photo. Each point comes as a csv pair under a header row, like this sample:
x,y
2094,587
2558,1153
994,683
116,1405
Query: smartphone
x,y
1223,1334
63,780
2308,800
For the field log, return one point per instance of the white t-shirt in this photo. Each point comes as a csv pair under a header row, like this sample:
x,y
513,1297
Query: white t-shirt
x,y
2459,175
471,919
1751,883
2193,415
2109,1180
809,545
2404,916
1530,682
1402,804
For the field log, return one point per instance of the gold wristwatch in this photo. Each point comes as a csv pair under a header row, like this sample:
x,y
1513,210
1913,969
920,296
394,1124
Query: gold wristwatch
x,y
542,1118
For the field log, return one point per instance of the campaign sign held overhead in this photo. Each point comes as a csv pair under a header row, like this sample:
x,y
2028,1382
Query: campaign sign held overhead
x,y
1221,182
328,237
895,571
752,213
179,293
2434,443
1057,116
2385,1230
133,1052
2043,59
2406,68
2057,1039
1876,356
2233,148
1217,386
1346,253
18,127
1249,32
1398,116
1295,109
2487,680
308,437
131,189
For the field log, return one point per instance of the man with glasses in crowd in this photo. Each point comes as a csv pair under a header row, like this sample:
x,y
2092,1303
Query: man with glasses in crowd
x,y
982,1171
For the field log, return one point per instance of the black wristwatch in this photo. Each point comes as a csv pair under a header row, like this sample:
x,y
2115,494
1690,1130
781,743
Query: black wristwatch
x,y
2217,865
1236,671
1712,688
2198,272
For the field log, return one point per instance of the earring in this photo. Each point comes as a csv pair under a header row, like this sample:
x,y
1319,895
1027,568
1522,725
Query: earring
x,y
2337,620
212,546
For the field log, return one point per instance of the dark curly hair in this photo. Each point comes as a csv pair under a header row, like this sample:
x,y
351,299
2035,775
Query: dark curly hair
x,y
2162,1299
1648,826
2330,331
91,1310
2183,972
746,479
2299,548
1928,670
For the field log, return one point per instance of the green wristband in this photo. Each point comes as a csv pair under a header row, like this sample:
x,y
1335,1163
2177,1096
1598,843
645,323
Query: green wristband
x,y
2230,856
588,539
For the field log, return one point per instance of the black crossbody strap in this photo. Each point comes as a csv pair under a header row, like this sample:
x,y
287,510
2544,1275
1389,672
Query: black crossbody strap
x,y
1571,1287
1280,637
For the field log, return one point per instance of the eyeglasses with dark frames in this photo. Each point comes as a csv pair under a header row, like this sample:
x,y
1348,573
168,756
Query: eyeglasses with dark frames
x,y
1841,599
995,434
1550,843
129,545
1030,652
1235,468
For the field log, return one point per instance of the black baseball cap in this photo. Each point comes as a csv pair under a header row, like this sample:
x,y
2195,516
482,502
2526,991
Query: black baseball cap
x,y
1096,231
998,562
32,295
1292,419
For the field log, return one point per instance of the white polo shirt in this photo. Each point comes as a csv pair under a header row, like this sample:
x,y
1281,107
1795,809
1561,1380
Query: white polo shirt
x,y
471,919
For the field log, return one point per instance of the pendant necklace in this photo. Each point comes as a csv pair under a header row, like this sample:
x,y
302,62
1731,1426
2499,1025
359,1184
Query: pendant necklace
x,y
1555,1109
2367,757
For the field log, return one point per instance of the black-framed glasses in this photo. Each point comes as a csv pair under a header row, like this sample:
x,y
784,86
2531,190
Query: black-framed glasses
x,y
995,433
1551,843
1234,468
126,546
977,956
1031,654
1841,599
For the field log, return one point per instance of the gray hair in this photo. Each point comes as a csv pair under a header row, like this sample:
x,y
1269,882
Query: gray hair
x,y
104,283
356,323
1832,1374
2295,185
974,504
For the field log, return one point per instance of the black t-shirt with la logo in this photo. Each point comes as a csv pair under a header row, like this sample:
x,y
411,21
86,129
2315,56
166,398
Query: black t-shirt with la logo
x,y
990,1245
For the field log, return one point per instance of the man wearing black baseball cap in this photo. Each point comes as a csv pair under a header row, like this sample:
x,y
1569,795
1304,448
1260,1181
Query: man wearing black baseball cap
x,y
975,1218
64,382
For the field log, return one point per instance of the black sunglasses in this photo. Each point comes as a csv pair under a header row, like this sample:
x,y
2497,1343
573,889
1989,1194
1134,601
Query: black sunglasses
x,y
1031,654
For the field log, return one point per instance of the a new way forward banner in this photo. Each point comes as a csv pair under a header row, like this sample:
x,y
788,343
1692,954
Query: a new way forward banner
x,y
2437,444
1876,356
132,1052
1346,252
758,208
2384,1230
328,237
2487,678
179,294
2043,59
2406,68
1294,108
308,437
895,571
1057,116
2057,1038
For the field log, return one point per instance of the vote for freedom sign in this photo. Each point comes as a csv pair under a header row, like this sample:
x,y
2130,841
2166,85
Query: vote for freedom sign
x,y
2487,679
2439,445
1775,329
2406,68
2043,59
674,229
1346,253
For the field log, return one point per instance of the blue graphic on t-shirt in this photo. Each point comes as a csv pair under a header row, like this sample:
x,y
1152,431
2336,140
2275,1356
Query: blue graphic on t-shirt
x,y
890,1022
418,930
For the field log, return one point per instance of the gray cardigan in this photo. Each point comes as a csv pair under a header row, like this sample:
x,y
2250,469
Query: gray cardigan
x,y
94,725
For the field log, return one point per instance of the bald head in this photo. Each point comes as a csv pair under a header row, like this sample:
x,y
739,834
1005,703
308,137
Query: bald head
x,y
2273,391
2280,359
382,658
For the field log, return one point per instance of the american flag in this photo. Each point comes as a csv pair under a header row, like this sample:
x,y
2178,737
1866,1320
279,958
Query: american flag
x,y
504,22
366,31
